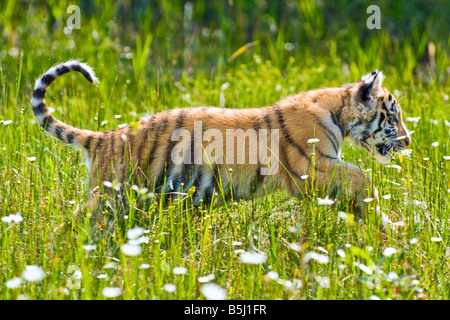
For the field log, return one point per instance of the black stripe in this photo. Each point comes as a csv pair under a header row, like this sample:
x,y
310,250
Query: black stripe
x,y
380,121
98,145
165,123
95,153
336,122
267,119
106,135
393,107
347,92
280,118
47,79
84,72
48,121
329,133
339,111
58,131
87,143
39,94
40,108
112,142
181,117
62,69
256,124
287,134
69,137
325,155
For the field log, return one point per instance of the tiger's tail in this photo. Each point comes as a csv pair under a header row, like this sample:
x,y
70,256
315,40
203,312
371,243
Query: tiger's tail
x,y
53,126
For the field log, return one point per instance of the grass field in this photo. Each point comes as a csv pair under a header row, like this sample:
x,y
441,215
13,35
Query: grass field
x,y
177,55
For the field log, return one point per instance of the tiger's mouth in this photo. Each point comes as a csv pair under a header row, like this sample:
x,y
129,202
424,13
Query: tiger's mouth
x,y
385,149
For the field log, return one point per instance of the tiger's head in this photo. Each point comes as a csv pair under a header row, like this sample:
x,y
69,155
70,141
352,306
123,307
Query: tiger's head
x,y
376,122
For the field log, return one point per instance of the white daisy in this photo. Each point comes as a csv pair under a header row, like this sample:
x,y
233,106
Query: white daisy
x,y
169,287
324,202
135,233
17,218
206,278
179,270
131,250
252,257
212,291
389,251
33,273
111,292
13,283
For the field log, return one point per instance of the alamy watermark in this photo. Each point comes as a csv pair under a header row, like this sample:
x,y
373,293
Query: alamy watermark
x,y
374,20
74,280
231,150
74,21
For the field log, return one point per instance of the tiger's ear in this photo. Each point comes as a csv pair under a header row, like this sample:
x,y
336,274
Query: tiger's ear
x,y
371,86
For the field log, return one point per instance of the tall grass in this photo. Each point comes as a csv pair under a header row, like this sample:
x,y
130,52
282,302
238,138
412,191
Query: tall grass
x,y
311,251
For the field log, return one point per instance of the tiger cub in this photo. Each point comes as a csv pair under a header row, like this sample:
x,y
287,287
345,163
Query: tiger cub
x,y
227,153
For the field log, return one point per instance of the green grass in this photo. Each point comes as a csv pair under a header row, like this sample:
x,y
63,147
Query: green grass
x,y
186,69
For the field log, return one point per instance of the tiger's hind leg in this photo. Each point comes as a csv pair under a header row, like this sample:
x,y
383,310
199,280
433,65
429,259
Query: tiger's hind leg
x,y
106,213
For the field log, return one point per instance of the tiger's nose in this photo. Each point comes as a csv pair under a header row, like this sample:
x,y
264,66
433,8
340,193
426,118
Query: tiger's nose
x,y
407,141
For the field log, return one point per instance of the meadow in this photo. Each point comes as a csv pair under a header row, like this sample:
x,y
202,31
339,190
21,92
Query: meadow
x,y
156,56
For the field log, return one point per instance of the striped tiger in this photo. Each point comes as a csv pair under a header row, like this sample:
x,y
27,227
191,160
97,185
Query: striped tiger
x,y
310,129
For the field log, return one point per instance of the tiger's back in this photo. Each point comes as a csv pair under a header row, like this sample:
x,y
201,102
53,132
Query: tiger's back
x,y
146,150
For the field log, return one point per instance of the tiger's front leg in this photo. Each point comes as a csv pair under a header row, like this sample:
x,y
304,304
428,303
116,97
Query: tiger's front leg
x,y
352,181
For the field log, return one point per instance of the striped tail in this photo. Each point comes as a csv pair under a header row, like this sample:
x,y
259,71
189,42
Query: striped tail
x,y
53,126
